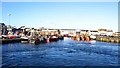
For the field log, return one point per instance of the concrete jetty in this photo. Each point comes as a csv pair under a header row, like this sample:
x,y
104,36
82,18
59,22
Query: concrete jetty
x,y
111,39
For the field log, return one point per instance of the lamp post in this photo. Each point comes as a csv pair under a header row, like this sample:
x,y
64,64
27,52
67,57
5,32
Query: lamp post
x,y
9,23
9,18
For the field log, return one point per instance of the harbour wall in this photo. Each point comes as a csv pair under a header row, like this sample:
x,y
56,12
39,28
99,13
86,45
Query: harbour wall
x,y
111,39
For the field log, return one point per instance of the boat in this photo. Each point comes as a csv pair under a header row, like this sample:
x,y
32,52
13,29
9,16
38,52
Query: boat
x,y
53,38
42,40
37,41
0,37
93,37
17,36
93,41
67,38
5,36
32,41
11,36
24,40
60,37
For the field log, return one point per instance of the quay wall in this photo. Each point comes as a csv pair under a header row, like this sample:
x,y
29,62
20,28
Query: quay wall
x,y
98,38
5,41
111,39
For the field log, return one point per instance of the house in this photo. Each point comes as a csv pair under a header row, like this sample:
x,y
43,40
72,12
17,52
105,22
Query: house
x,y
94,32
3,29
102,31
107,32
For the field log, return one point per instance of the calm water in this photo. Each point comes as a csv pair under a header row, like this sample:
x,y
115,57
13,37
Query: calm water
x,y
60,53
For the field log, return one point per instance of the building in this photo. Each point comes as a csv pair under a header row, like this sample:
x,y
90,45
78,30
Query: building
x,y
107,32
3,29
94,32
70,32
116,34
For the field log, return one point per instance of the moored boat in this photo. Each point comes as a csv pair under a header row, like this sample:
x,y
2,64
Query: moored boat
x,y
53,38
4,36
24,40
60,37
93,37
93,41
37,41
11,36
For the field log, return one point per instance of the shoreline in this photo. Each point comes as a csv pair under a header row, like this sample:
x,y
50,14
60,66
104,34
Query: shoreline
x,y
108,39
98,38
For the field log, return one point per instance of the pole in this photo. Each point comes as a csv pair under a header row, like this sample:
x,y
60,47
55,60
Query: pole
x,y
9,21
9,18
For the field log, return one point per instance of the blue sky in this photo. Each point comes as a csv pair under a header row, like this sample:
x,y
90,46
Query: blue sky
x,y
78,15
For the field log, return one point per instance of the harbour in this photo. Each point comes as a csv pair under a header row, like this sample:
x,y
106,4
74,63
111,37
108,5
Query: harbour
x,y
61,53
59,35
59,47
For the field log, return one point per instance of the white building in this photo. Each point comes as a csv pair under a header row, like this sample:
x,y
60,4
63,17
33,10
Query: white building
x,y
94,32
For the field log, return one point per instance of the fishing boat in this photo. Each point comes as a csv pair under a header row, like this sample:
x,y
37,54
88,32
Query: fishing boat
x,y
17,36
53,38
93,41
67,38
37,41
93,37
11,36
32,41
4,36
0,37
24,40
60,37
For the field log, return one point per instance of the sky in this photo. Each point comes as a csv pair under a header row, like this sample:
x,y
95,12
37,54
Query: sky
x,y
71,15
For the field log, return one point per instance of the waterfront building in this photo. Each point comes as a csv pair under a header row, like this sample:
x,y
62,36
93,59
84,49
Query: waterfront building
x,y
107,32
70,32
49,31
83,31
3,29
102,31
94,32
116,34
77,32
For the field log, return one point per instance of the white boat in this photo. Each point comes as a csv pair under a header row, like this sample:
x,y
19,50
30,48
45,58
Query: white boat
x,y
0,37
24,40
66,38
93,41
4,36
93,37
54,37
